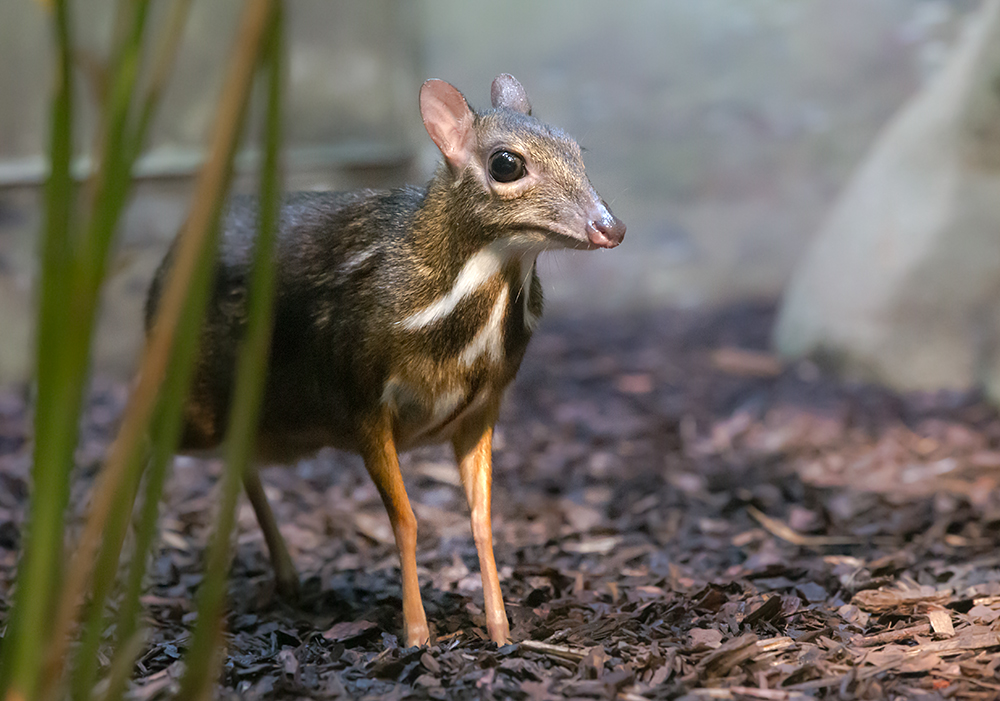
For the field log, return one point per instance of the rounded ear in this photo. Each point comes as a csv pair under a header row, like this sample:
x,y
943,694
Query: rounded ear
x,y
508,93
449,121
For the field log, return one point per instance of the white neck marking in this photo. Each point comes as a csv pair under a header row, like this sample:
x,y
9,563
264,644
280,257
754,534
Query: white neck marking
x,y
485,264
476,272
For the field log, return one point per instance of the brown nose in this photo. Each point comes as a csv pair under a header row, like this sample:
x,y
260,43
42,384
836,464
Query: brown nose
x,y
605,229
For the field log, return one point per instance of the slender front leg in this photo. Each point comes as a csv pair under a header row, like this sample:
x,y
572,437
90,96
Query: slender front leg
x,y
474,452
379,452
285,577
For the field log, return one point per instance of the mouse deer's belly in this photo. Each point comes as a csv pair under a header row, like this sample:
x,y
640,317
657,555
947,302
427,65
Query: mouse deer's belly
x,y
424,415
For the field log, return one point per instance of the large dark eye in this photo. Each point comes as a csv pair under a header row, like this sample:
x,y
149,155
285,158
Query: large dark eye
x,y
506,167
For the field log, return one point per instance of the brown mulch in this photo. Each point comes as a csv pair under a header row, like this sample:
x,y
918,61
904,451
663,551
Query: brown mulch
x,y
676,516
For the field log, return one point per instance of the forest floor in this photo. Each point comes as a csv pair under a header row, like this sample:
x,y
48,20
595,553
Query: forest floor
x,y
676,515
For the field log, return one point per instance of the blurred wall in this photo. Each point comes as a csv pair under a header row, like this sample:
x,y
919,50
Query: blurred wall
x,y
719,130
349,65
353,75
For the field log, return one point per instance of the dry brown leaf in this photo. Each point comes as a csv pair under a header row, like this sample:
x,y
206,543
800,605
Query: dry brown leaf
x,y
593,662
895,635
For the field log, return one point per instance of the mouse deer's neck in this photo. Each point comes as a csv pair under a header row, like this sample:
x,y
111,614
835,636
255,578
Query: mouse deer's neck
x,y
458,222
460,250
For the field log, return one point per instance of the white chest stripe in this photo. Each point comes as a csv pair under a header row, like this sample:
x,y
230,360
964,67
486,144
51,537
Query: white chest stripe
x,y
489,339
476,272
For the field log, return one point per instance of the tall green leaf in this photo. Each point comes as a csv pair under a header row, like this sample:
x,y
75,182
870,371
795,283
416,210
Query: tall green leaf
x,y
56,407
206,645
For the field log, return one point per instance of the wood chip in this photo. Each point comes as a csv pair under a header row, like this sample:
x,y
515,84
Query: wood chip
x,y
748,363
895,635
347,630
590,546
899,600
941,621
565,652
779,529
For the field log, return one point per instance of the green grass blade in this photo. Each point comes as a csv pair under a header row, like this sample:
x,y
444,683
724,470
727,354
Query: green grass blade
x,y
131,143
38,572
112,182
166,430
109,193
121,667
165,434
204,654
105,575
163,63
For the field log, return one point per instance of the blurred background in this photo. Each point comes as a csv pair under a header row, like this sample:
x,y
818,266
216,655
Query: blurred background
x,y
720,131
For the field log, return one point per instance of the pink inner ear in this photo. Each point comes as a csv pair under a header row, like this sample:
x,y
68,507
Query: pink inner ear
x,y
448,120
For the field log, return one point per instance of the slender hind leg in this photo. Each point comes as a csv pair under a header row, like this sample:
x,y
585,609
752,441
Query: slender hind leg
x,y
285,577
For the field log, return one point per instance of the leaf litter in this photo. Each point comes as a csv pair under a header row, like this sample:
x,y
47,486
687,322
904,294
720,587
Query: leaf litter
x,y
677,515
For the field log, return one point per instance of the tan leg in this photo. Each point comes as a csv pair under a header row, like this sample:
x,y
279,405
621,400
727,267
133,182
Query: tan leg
x,y
473,450
379,452
285,577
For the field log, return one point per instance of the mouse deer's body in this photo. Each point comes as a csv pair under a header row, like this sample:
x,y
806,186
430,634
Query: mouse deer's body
x,y
402,315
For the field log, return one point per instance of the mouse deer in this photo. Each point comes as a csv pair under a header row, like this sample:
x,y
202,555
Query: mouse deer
x,y
402,315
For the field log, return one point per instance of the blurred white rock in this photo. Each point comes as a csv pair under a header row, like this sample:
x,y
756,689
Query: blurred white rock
x,y
901,284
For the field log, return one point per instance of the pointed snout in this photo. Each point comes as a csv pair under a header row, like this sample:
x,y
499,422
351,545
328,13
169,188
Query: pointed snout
x,y
604,229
